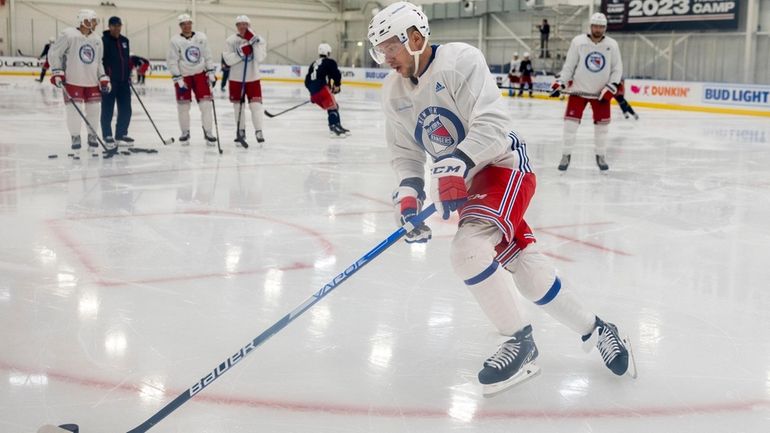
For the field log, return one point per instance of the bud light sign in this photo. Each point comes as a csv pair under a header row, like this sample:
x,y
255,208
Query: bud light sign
x,y
747,96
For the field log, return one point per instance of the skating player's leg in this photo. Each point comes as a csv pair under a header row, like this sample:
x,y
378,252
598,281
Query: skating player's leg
x,y
254,95
473,259
601,112
575,107
183,101
93,111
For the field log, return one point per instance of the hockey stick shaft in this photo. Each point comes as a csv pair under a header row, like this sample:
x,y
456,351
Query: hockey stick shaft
x,y
243,99
271,115
88,124
147,113
238,356
216,123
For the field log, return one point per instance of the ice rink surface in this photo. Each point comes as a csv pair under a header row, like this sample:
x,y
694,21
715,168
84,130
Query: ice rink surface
x,y
123,281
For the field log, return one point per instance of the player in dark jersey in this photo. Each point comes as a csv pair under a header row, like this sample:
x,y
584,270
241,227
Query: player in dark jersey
x,y
323,79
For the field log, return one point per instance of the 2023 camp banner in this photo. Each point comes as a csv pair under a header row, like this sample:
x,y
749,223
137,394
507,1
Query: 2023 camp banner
x,y
654,15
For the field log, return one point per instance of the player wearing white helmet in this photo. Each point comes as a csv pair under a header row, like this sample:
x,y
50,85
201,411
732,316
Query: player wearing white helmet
x,y
592,72
76,64
323,81
526,70
243,52
193,71
44,58
443,101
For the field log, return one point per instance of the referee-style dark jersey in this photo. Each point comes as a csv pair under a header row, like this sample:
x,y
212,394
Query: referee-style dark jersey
x,y
320,73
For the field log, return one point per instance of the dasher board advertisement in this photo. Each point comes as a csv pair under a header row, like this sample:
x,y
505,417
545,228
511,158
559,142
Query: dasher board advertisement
x,y
654,15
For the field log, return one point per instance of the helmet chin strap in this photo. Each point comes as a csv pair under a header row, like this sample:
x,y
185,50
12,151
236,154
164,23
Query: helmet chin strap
x,y
416,55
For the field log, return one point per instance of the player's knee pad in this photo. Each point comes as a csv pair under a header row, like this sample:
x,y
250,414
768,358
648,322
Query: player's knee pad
x,y
473,251
535,276
571,126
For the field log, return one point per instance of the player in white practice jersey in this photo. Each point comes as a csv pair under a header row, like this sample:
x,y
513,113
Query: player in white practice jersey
x,y
76,63
514,74
243,52
193,71
592,72
442,101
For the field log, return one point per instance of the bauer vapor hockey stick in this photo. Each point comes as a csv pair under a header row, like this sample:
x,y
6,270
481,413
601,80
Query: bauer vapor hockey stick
x,y
109,153
247,349
271,115
164,141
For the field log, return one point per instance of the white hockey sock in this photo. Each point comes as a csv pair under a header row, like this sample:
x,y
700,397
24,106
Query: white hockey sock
x,y
93,111
536,279
183,109
472,256
257,111
600,138
242,111
207,116
73,119
569,136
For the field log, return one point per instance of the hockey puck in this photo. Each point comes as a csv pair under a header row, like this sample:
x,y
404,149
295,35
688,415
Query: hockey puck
x,y
53,156
125,152
94,155
75,157
70,155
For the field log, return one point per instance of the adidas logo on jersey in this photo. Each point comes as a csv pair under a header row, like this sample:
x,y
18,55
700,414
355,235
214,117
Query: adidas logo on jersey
x,y
439,87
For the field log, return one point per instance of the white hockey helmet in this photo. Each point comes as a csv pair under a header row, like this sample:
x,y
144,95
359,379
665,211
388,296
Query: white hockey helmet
x,y
598,19
526,54
324,49
394,21
51,39
86,15
183,18
242,19
516,54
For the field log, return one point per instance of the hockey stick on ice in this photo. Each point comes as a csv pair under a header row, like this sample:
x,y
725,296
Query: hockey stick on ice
x,y
216,124
164,141
271,115
109,152
228,363
238,137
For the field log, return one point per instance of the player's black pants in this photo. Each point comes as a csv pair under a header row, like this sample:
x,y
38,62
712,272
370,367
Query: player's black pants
x,y
121,93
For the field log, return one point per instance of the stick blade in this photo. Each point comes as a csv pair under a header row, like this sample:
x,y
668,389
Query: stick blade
x,y
269,114
64,428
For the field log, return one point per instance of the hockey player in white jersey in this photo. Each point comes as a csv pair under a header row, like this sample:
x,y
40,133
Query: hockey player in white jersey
x,y
592,73
76,64
193,71
243,52
514,74
442,101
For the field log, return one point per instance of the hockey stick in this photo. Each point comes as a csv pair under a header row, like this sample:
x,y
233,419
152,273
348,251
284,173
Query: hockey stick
x,y
216,124
228,363
238,137
271,115
109,152
164,141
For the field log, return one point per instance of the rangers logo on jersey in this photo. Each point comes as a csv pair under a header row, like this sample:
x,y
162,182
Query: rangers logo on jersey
x,y
192,54
87,54
595,61
442,128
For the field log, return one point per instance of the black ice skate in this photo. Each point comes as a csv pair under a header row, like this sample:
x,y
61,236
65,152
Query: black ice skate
x,y
211,140
564,163
184,139
125,141
346,131
602,163
240,138
336,132
259,136
92,142
615,349
512,364
75,142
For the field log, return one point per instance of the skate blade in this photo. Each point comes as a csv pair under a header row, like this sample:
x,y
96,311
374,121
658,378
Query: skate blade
x,y
48,428
527,372
632,371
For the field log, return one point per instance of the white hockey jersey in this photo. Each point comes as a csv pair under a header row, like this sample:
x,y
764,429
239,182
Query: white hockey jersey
x,y
515,67
456,105
78,56
236,62
191,56
591,66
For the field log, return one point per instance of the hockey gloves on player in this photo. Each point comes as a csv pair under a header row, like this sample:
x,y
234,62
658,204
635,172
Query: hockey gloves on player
x,y
179,81
104,84
556,89
447,185
251,37
335,89
57,79
408,203
245,50
212,78
608,92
